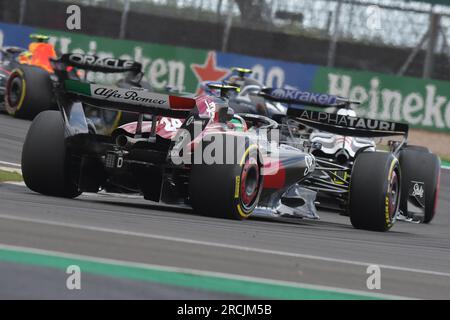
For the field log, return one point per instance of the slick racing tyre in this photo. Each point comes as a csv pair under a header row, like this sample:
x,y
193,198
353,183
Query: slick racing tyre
x,y
227,190
28,91
375,188
425,167
418,148
45,157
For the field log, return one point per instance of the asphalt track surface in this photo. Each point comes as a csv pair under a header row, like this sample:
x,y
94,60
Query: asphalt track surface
x,y
414,259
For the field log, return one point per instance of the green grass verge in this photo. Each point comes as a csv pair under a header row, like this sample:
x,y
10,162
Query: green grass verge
x,y
445,162
10,176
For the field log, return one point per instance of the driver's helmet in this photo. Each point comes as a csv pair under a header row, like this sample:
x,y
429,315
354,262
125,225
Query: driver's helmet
x,y
237,125
242,81
347,112
24,57
39,54
236,81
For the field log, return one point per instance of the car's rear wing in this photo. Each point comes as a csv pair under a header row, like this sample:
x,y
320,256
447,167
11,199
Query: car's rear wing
x,y
11,50
347,125
132,100
98,64
299,97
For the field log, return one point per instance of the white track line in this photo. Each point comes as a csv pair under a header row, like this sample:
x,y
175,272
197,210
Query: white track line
x,y
10,164
221,245
195,271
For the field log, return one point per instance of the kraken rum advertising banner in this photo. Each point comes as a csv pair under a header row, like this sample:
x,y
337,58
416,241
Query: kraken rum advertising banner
x,y
421,103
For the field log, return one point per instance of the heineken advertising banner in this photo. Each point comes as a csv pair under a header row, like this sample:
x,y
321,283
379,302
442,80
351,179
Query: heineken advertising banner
x,y
422,103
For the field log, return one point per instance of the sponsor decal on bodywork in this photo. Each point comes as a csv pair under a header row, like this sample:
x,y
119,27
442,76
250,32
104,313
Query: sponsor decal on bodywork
x,y
417,191
129,96
332,119
300,97
100,63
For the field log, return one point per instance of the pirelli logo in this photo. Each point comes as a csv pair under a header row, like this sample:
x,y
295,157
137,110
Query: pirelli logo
x,y
236,188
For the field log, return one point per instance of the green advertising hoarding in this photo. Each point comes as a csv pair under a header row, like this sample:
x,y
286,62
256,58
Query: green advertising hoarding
x,y
421,103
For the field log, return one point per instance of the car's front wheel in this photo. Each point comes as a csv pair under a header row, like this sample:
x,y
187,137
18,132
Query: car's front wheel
x,y
227,190
375,188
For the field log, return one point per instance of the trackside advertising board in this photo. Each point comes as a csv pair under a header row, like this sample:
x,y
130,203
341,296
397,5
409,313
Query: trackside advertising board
x,y
422,103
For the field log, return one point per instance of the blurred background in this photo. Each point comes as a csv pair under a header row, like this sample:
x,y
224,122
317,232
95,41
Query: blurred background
x,y
390,36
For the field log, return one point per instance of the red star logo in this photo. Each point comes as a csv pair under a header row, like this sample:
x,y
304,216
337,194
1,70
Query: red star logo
x,y
208,71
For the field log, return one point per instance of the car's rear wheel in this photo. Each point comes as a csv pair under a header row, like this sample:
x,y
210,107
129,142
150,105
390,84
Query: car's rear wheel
x,y
28,92
375,188
46,158
418,148
424,167
227,190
